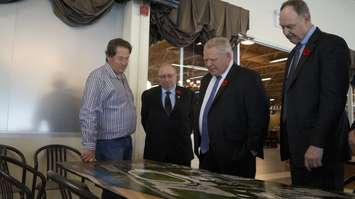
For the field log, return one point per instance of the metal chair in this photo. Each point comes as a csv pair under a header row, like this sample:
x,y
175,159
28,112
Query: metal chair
x,y
8,183
37,181
68,187
52,154
10,151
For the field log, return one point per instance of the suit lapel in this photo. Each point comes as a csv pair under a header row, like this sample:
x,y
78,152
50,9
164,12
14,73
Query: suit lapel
x,y
178,98
157,98
310,48
225,83
204,86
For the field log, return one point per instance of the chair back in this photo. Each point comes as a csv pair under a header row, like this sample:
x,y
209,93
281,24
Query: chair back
x,y
7,187
68,187
34,180
10,151
54,153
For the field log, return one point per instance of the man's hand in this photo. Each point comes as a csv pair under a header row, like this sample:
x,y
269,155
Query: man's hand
x,y
88,155
313,157
351,139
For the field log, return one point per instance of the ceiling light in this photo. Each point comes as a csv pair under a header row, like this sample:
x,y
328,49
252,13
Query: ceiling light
x,y
188,80
272,99
247,42
197,77
278,60
191,67
266,79
199,44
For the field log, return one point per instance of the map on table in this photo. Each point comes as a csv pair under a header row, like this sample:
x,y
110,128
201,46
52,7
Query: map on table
x,y
173,181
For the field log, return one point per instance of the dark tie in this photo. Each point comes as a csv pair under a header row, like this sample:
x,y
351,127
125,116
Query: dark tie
x,y
290,74
294,62
204,137
167,103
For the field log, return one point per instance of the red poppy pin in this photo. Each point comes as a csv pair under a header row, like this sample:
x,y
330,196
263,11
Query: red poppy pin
x,y
225,83
178,93
306,52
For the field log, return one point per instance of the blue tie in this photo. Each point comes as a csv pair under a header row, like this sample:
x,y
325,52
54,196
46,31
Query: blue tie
x,y
204,137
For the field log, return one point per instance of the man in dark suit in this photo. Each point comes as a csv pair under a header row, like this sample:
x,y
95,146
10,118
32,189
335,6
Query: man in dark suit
x,y
233,114
313,123
167,118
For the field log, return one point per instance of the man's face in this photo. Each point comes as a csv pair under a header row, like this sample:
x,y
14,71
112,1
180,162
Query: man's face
x,y
294,26
216,62
167,77
119,61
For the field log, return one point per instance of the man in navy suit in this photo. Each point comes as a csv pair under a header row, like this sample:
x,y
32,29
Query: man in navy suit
x,y
313,122
233,114
167,118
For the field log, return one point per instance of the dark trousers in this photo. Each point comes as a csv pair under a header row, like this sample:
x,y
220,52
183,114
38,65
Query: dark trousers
x,y
327,177
115,149
245,167
178,161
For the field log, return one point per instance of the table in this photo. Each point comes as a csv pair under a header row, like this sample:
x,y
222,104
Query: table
x,y
153,180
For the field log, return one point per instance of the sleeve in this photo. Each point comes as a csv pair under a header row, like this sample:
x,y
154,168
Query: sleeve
x,y
144,111
91,107
334,67
192,117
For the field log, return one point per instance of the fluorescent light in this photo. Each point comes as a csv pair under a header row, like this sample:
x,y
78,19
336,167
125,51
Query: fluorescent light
x,y
272,99
278,60
191,67
197,77
188,80
247,42
199,44
266,79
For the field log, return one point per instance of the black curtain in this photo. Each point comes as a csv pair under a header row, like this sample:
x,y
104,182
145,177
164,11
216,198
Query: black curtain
x,y
82,12
7,1
197,20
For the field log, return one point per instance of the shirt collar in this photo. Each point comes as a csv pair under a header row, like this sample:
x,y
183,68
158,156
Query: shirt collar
x,y
110,71
172,90
308,35
224,74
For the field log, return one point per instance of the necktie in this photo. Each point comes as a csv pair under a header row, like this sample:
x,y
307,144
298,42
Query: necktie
x,y
294,62
290,74
167,103
204,137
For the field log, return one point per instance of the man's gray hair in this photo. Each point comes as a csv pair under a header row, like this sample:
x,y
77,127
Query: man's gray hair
x,y
299,6
222,44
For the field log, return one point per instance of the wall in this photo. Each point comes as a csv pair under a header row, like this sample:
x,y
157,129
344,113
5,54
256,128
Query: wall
x,y
44,64
331,16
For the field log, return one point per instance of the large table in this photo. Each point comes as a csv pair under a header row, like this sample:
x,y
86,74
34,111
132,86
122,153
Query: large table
x,y
148,179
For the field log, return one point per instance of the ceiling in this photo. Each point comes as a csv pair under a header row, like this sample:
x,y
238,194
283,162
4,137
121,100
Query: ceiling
x,y
255,56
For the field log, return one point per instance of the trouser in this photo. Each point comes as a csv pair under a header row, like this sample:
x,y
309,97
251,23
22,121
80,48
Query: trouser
x,y
329,177
115,149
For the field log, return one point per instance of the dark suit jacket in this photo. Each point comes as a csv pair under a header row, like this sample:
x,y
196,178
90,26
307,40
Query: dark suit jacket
x,y
238,118
167,137
316,100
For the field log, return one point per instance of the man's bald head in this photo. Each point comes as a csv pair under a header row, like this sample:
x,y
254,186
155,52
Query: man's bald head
x,y
167,76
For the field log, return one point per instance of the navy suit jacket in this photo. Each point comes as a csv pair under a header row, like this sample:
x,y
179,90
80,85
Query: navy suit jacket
x,y
238,118
167,136
316,97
